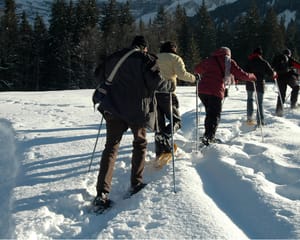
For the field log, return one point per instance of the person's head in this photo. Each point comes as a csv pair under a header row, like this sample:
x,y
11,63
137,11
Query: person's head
x,y
168,47
140,42
222,51
287,52
258,50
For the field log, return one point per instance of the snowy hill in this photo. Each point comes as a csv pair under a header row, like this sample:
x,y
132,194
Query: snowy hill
x,y
140,8
246,188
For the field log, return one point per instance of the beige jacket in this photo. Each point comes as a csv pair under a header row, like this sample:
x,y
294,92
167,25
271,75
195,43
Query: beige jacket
x,y
172,67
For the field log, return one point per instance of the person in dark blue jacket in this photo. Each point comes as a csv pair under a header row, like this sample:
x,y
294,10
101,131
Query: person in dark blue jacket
x,y
261,68
286,66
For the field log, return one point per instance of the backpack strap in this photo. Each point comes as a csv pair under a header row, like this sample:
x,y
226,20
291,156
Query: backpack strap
x,y
118,65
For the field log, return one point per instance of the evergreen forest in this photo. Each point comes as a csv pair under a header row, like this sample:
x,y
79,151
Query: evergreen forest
x,y
64,52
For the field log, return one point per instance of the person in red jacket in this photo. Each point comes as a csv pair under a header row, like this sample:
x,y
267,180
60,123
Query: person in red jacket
x,y
215,71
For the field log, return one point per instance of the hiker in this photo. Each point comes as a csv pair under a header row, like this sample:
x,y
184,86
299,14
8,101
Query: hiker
x,y
260,67
126,105
285,67
172,67
215,71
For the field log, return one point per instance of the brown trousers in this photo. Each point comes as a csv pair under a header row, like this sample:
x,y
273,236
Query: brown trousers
x,y
115,128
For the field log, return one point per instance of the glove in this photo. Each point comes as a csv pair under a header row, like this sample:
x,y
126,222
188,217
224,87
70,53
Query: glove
x,y
198,77
252,77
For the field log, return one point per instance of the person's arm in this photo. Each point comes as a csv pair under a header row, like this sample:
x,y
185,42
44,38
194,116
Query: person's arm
x,y
240,74
181,71
294,63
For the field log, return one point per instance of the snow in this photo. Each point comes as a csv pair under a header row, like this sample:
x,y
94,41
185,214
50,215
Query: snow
x,y
246,188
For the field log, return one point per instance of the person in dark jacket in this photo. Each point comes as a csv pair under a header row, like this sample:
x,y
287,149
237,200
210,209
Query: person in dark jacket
x,y
260,67
215,71
126,105
285,67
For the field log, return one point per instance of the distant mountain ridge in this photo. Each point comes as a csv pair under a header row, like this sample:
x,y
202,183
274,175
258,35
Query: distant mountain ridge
x,y
147,9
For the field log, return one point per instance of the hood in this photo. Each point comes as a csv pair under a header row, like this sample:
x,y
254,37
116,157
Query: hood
x,y
222,51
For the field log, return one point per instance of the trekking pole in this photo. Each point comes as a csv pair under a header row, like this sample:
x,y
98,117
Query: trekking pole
x,y
279,94
259,113
197,116
172,138
100,126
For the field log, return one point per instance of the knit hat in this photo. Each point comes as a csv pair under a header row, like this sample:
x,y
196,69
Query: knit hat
x,y
139,41
168,46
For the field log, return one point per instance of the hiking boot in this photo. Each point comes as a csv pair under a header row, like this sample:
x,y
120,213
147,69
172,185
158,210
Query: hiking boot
x,y
164,141
101,201
294,106
135,189
204,140
214,140
279,112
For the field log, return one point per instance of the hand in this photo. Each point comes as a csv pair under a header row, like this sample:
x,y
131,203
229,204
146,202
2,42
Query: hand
x,y
252,77
275,75
198,77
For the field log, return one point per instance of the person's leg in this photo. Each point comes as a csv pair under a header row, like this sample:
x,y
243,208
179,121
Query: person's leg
x,y
282,91
114,132
161,122
249,105
138,155
213,108
260,118
294,94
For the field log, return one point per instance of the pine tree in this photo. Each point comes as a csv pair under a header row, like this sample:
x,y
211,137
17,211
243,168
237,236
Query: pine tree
x,y
205,32
293,38
272,34
40,40
25,57
126,25
60,47
109,27
8,44
247,34
85,56
187,47
224,34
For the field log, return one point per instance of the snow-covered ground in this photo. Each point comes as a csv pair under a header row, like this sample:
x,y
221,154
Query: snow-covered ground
x,y
248,187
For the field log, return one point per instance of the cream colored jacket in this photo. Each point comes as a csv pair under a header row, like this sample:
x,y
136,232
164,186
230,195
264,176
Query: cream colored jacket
x,y
172,68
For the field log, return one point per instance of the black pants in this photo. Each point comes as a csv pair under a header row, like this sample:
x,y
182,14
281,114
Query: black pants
x,y
115,128
164,114
283,82
213,109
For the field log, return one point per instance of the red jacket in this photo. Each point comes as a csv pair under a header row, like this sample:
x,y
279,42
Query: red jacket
x,y
212,76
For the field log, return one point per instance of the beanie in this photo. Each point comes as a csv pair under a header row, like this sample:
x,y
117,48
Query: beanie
x,y
139,41
168,47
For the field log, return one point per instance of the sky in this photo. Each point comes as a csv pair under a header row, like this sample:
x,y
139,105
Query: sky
x,y
248,187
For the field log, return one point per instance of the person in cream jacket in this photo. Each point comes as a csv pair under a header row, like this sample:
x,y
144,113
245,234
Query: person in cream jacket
x,y
172,68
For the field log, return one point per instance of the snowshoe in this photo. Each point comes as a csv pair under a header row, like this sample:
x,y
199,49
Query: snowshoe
x,y
134,190
204,141
101,203
251,122
164,158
